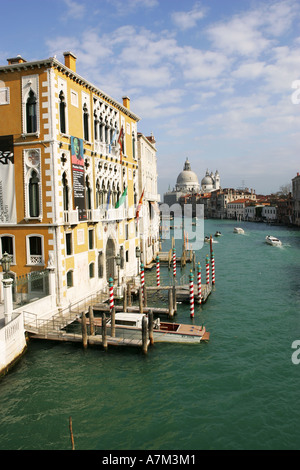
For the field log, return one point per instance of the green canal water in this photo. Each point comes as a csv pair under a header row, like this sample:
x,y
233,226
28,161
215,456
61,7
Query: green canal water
x,y
239,391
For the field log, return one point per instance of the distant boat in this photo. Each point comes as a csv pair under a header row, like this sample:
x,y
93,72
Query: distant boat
x,y
207,239
273,241
218,234
238,230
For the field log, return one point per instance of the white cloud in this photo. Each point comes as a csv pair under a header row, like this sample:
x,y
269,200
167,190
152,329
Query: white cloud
x,y
188,19
75,9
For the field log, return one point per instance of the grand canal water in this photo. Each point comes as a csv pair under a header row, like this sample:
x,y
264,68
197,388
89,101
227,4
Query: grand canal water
x,y
239,391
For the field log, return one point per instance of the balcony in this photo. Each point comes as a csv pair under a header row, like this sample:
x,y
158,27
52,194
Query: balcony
x,y
71,217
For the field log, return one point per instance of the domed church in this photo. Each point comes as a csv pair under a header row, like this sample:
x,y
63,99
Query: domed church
x,y
187,181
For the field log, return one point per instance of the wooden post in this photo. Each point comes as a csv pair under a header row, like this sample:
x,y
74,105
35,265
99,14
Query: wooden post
x,y
171,311
150,326
113,322
125,299
145,295
174,300
71,433
84,330
141,299
144,335
104,331
92,323
129,295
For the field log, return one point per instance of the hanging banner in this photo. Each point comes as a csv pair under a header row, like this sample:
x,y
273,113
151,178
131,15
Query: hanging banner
x,y
8,213
78,176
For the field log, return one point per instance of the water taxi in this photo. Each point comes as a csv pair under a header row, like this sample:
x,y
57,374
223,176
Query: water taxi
x,y
218,234
238,230
273,241
163,332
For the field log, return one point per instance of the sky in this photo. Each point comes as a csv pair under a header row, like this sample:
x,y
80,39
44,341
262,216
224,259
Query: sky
x,y
215,81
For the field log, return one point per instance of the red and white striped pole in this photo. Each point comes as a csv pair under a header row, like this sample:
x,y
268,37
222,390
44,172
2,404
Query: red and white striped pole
x,y
157,271
142,278
207,269
191,294
174,262
111,294
213,268
199,300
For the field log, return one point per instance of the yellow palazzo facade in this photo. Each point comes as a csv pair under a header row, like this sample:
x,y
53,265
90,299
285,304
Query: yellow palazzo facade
x,y
68,177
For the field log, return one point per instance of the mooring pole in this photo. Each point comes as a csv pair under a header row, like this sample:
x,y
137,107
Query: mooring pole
x,y
84,330
92,323
104,331
191,294
150,326
144,335
199,300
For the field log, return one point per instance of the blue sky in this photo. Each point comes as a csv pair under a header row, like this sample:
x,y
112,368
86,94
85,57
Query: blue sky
x,y
214,80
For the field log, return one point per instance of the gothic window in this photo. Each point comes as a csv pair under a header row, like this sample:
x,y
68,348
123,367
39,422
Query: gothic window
x,y
88,193
85,122
62,112
33,187
65,192
31,113
96,126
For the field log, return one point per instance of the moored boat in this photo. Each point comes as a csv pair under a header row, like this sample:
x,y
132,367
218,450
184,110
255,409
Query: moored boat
x,y
273,241
238,230
162,331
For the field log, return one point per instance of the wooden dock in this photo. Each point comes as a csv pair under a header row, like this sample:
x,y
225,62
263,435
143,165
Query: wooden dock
x,y
187,256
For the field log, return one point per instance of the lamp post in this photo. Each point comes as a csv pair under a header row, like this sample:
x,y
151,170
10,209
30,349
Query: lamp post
x,y
7,287
5,263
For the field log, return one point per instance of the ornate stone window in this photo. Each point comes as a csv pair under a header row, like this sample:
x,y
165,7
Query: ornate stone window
x,y
32,184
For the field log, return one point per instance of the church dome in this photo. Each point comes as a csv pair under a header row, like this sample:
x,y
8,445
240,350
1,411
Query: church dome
x,y
187,179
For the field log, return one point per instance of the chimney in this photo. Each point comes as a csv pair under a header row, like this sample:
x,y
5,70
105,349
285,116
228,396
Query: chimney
x,y
16,60
126,102
70,61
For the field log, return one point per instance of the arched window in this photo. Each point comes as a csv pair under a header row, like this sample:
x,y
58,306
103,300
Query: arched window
x,y
62,112
88,193
65,192
85,122
31,115
34,203
70,279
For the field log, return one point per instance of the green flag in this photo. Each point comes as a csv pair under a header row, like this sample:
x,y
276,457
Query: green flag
x,y
122,199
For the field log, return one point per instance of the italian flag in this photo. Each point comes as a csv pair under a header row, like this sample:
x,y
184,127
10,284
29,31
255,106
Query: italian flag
x,y
122,199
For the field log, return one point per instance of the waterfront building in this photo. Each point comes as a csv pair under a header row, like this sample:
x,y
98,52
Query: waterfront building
x,y
296,199
269,213
68,179
148,214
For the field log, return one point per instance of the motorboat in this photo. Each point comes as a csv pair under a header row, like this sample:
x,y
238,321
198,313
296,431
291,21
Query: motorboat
x,y
238,230
218,234
129,324
207,239
273,241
